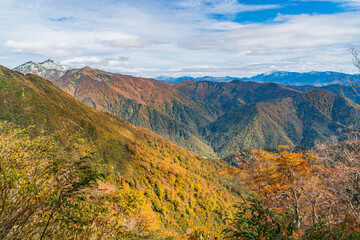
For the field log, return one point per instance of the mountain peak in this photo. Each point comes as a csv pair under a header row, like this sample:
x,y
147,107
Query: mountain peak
x,y
48,69
29,62
49,60
89,71
87,68
52,65
46,65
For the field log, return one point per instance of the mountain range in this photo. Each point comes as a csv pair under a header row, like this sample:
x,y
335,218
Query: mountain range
x,y
212,119
197,79
286,78
50,69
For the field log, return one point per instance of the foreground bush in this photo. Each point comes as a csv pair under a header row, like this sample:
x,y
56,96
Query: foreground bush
x,y
256,221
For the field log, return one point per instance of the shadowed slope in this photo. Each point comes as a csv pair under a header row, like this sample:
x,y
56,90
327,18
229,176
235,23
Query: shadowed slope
x,y
288,121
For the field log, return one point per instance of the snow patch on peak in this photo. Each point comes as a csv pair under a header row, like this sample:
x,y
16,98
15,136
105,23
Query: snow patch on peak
x,y
274,73
48,69
52,65
268,73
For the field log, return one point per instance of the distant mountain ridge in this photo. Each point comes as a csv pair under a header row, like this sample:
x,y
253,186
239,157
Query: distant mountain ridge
x,y
50,69
209,118
307,78
350,92
285,78
197,79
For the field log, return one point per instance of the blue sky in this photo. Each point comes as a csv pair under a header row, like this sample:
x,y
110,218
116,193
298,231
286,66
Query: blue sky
x,y
284,8
182,37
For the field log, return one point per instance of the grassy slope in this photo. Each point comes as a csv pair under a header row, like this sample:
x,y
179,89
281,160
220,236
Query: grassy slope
x,y
180,186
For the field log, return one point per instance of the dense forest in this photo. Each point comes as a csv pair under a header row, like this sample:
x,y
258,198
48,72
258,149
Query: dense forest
x,y
168,188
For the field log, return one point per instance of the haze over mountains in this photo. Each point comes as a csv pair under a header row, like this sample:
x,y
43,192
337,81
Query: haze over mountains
x,y
286,78
209,118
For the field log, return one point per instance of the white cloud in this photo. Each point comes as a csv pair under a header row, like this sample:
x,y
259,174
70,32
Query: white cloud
x,y
151,38
296,34
57,49
225,7
82,61
128,41
112,63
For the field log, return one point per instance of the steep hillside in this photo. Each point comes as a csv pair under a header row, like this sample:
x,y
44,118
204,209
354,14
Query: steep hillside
x,y
180,187
144,102
289,121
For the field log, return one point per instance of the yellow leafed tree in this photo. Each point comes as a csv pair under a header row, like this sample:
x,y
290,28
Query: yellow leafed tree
x,y
286,180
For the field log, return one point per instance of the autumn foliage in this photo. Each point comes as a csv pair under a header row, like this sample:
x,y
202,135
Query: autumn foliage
x,y
320,188
49,191
175,192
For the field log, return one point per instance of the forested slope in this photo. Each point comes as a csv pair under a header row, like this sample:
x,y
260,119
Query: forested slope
x,y
180,187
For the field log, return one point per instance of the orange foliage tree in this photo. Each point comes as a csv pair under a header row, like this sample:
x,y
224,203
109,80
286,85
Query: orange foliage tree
x,y
286,180
342,178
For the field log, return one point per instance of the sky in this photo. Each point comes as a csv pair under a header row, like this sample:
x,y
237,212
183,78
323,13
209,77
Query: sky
x,y
151,38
